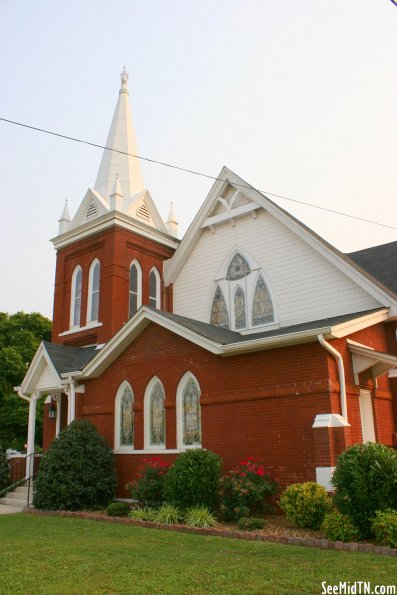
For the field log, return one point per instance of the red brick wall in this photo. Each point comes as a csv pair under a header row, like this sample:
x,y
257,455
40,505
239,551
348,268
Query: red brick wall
x,y
115,249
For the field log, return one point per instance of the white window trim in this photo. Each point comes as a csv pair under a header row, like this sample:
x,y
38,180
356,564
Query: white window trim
x,y
146,415
136,263
179,413
158,287
117,446
90,282
73,297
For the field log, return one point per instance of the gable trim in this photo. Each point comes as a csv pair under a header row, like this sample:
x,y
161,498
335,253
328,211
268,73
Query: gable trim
x,y
40,355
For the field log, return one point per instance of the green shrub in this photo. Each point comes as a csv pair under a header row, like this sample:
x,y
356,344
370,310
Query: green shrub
x,y
384,527
118,509
250,524
365,481
245,490
199,516
148,487
77,472
167,514
4,470
193,479
305,504
339,527
143,514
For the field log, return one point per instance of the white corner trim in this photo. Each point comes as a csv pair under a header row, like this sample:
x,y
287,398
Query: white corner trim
x,y
330,420
78,329
324,476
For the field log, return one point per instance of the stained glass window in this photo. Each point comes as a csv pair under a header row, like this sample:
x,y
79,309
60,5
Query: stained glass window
x,y
157,415
133,289
262,307
219,314
76,296
94,288
126,418
238,268
239,309
191,413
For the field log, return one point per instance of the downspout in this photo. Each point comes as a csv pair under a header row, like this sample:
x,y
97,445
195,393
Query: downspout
x,y
341,369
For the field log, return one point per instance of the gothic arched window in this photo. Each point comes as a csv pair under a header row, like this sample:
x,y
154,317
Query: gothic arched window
x,y
188,412
219,313
238,268
154,415
124,417
135,292
154,289
75,298
262,307
93,292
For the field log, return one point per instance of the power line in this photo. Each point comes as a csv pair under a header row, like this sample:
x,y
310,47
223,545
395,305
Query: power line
x,y
196,173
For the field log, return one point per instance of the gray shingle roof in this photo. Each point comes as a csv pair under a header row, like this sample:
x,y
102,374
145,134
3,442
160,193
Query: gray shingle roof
x,y
380,262
69,359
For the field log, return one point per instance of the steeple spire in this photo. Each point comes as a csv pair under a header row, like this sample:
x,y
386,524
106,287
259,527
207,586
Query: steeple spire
x,y
172,223
121,138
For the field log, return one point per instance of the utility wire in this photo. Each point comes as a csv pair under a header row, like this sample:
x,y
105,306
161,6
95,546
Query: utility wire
x,y
197,173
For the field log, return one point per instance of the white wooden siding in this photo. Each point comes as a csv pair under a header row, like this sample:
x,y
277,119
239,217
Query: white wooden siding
x,y
304,284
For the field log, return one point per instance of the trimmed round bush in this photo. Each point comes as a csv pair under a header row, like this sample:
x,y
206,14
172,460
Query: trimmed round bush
x,y
77,472
339,527
4,470
118,509
193,479
305,504
384,527
365,481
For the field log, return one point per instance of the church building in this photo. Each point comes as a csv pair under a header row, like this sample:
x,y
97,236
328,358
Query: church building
x,y
250,336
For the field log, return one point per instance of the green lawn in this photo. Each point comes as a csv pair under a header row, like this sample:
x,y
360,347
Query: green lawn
x,y
61,555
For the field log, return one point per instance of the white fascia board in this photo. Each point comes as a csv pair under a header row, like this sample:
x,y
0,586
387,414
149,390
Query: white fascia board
x,y
107,220
352,326
132,329
276,341
227,215
35,369
371,354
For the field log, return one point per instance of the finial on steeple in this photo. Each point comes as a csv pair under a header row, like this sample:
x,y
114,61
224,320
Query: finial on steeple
x,y
117,196
65,220
172,223
124,81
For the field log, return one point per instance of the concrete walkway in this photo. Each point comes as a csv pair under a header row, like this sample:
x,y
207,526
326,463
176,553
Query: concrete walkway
x,y
5,509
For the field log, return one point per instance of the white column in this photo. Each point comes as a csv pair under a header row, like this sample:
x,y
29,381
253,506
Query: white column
x,y
58,399
31,431
71,393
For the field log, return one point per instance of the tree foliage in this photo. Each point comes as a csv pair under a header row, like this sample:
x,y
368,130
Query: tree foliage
x,y
20,336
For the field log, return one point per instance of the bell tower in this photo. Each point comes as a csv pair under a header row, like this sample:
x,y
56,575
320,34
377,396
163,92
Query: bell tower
x,y
110,254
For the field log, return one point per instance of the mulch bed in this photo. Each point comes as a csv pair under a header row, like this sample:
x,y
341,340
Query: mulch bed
x,y
277,530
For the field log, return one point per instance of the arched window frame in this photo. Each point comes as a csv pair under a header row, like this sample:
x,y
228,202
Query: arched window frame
x,y
158,289
74,297
248,285
179,411
146,408
135,263
117,418
90,317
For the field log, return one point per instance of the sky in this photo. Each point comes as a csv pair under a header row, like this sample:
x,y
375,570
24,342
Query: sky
x,y
298,98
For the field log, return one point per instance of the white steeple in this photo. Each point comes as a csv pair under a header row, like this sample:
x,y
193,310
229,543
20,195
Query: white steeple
x,y
122,138
65,220
172,223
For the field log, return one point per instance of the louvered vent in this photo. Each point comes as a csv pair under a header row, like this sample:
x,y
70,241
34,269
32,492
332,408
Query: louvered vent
x,y
92,211
143,211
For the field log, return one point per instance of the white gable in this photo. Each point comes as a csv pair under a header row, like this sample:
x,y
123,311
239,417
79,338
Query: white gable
x,y
92,206
41,375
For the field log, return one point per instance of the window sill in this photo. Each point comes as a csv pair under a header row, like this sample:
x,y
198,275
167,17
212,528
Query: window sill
x,y
78,329
147,451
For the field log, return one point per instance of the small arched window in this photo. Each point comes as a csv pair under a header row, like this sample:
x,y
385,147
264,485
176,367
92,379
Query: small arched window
x,y
262,306
75,298
154,289
188,412
124,417
219,315
238,268
135,294
154,415
93,292
240,319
